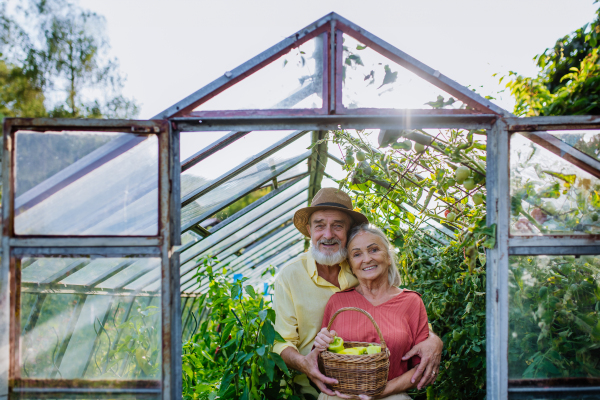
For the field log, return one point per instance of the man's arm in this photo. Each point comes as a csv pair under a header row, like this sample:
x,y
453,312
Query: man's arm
x,y
309,366
430,351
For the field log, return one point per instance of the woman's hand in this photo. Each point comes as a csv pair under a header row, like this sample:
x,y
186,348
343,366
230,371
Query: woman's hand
x,y
323,339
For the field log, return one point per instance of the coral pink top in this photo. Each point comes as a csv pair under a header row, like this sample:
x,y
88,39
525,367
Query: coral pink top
x,y
402,320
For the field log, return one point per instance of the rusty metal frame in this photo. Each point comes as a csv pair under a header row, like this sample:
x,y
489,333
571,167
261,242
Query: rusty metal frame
x,y
332,26
160,245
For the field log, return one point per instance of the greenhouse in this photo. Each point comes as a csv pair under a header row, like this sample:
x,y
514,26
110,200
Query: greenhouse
x,y
113,230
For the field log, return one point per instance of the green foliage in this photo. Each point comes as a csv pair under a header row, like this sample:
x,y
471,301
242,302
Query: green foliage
x,y
402,191
230,355
569,78
554,329
54,60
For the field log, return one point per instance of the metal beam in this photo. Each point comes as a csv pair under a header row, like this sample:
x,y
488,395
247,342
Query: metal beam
x,y
257,203
554,241
565,151
553,123
212,211
554,251
404,119
190,197
317,163
211,149
498,212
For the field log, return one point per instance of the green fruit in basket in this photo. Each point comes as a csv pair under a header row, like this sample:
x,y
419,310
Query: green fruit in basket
x,y
373,349
337,345
355,351
362,350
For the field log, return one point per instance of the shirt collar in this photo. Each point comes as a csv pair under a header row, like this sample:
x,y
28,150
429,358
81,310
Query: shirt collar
x,y
344,278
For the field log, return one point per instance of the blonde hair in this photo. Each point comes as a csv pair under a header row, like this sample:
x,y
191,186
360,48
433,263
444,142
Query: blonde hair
x,y
393,274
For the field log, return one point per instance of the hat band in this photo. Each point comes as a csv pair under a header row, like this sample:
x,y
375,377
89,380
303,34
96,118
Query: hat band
x,y
330,204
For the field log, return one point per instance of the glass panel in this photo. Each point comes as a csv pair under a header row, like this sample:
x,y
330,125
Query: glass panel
x,y
242,183
72,331
294,80
277,261
254,143
243,238
252,254
86,183
371,80
550,195
554,330
246,219
192,142
586,141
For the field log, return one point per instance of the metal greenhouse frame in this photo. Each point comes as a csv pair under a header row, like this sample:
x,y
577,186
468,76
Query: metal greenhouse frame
x,y
131,262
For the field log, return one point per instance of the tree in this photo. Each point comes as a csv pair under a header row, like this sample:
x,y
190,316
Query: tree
x,y
568,82
61,51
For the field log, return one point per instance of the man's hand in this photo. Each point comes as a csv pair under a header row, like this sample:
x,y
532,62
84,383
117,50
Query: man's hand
x,y
309,366
324,339
430,351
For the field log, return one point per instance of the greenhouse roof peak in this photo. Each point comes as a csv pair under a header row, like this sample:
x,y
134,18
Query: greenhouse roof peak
x,y
332,66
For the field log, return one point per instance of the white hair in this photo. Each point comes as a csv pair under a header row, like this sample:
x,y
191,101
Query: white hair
x,y
393,274
329,259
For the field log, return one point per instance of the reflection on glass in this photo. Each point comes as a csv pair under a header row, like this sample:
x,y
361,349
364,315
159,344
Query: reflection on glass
x,y
371,80
550,195
587,141
86,183
294,80
75,330
554,329
283,160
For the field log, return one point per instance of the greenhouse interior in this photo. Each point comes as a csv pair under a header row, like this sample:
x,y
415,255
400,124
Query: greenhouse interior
x,y
114,230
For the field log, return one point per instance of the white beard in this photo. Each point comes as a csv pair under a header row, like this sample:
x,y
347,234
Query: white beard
x,y
329,259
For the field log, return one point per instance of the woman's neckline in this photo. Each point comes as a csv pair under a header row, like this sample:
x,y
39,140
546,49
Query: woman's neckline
x,y
387,301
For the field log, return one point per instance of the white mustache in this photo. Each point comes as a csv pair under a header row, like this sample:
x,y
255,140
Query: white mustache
x,y
330,241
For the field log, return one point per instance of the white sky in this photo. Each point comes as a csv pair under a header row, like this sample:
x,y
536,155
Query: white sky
x,y
169,49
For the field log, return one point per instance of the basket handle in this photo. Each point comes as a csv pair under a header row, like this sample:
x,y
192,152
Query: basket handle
x,y
360,310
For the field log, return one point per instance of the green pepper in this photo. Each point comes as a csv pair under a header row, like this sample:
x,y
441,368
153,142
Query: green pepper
x,y
254,368
337,345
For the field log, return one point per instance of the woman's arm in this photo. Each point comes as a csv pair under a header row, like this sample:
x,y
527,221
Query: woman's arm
x,y
399,384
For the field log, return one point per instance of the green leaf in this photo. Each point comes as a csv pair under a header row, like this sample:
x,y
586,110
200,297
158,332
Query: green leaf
x,y
250,290
225,383
262,314
268,332
360,47
280,363
269,365
188,371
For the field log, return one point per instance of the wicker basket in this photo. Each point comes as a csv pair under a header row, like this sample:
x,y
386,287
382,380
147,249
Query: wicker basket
x,y
357,374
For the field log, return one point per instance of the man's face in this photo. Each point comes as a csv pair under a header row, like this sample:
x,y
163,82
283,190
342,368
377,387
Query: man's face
x,y
328,230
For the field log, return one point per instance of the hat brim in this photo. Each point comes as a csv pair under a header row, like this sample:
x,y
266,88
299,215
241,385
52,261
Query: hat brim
x,y
302,217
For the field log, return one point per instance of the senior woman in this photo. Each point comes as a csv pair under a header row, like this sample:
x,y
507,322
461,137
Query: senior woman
x,y
400,313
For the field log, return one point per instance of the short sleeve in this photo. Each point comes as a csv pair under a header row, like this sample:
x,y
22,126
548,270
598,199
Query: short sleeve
x,y
421,332
286,322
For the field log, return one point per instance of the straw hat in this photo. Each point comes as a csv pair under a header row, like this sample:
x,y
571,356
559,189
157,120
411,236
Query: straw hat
x,y
327,199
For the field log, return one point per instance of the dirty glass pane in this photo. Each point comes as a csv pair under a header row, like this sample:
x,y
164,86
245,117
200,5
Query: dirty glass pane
x,y
550,195
371,80
554,330
586,141
294,80
246,219
75,331
86,183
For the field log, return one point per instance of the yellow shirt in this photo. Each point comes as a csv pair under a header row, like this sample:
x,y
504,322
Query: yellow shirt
x,y
300,296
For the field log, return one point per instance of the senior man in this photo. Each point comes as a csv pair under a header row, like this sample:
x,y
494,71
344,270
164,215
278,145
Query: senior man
x,y
305,284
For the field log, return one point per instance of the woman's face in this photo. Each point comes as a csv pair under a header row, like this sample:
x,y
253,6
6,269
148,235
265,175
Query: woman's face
x,y
368,257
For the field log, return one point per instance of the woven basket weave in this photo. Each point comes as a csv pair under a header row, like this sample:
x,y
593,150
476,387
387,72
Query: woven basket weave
x,y
357,374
